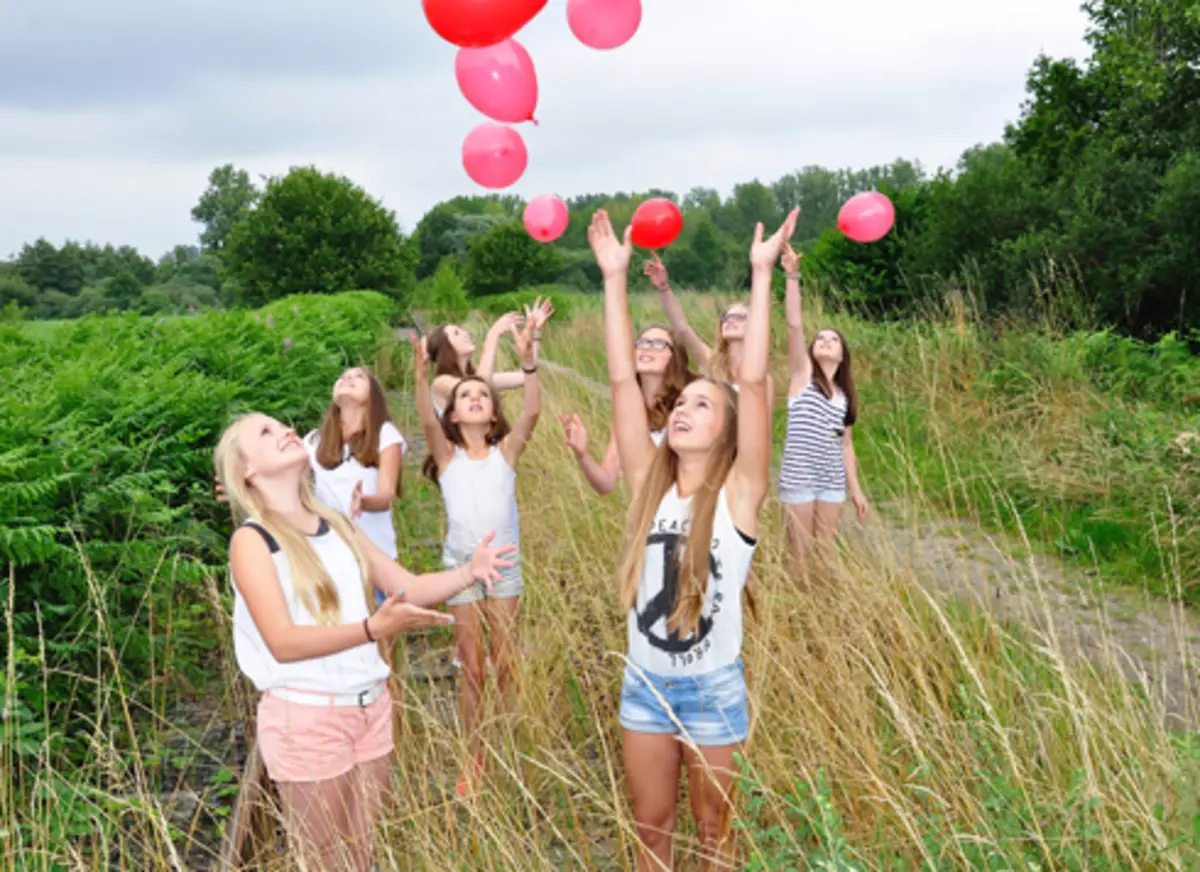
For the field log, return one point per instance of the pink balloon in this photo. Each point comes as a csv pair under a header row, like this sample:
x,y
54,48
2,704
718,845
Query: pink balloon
x,y
604,24
867,217
546,218
499,81
494,155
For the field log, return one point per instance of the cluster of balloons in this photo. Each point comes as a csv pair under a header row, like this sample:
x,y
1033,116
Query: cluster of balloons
x,y
497,76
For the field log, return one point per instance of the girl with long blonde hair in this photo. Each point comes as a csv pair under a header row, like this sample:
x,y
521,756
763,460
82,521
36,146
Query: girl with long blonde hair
x,y
692,533
305,635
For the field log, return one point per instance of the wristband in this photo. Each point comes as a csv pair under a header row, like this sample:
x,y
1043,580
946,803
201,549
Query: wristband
x,y
367,630
529,371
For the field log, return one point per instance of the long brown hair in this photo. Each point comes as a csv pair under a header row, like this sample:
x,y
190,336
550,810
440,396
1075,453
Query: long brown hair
x,y
453,432
443,355
720,367
843,377
312,584
364,445
694,565
675,378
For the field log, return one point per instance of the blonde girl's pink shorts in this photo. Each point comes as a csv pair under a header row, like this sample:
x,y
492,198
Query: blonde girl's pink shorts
x,y
301,742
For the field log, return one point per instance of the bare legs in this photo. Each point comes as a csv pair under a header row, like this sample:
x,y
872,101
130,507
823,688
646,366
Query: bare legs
x,y
652,764
812,528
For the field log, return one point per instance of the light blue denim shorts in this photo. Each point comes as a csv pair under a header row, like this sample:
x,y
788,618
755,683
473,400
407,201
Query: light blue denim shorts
x,y
707,710
510,584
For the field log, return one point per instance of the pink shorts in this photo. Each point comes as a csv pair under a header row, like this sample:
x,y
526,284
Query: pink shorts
x,y
317,742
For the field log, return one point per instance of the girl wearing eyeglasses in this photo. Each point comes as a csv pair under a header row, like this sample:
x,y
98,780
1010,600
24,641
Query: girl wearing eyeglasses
x,y
723,364
662,372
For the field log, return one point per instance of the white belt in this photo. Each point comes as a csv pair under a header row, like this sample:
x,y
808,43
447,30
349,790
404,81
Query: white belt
x,y
316,698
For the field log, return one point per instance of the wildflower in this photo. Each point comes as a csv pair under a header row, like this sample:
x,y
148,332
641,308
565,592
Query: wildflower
x,y
295,309
287,343
270,320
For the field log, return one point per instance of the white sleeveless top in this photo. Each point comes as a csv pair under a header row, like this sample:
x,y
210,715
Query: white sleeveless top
x,y
718,641
351,671
480,497
657,436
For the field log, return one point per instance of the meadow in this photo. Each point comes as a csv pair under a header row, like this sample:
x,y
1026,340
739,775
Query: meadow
x,y
893,728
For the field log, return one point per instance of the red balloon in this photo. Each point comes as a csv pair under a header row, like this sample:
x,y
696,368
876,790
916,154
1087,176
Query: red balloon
x,y
479,23
656,223
867,217
494,155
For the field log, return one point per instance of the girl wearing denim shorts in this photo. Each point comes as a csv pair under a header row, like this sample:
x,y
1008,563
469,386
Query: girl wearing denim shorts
x,y
473,457
304,633
693,524
819,464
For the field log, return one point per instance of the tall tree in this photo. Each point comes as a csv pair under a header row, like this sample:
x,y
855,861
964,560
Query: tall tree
x,y
229,195
506,258
315,233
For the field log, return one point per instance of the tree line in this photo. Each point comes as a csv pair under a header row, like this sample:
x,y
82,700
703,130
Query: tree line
x,y
1089,205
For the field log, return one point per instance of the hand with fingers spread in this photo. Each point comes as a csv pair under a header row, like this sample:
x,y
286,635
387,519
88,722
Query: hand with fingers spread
x,y
506,322
657,273
541,312
524,342
789,260
219,490
612,254
486,561
396,616
764,253
574,433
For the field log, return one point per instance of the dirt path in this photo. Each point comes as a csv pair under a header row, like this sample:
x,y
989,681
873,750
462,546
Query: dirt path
x,y
1149,640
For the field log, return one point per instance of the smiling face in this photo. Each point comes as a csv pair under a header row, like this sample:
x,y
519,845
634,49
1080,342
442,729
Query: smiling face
x,y
827,347
733,322
653,351
473,404
460,340
270,449
697,422
354,385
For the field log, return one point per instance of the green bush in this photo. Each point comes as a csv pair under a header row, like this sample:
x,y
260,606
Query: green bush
x,y
107,516
515,301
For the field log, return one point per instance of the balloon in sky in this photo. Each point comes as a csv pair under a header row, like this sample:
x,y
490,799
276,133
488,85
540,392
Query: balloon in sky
x,y
499,81
494,155
604,24
656,223
479,23
546,218
867,217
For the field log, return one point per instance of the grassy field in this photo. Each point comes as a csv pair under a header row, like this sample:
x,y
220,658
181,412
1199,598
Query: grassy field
x,y
891,729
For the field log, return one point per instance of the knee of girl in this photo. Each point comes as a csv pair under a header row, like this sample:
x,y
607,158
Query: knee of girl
x,y
656,830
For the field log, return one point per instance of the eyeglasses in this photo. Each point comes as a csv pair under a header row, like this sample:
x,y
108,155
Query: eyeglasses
x,y
734,317
652,344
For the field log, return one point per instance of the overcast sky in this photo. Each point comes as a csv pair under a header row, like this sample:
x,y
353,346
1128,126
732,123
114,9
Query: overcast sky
x,y
113,113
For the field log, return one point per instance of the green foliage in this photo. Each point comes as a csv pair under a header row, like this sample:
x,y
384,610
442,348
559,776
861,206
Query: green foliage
x,y
230,194
107,426
442,297
516,301
316,233
506,257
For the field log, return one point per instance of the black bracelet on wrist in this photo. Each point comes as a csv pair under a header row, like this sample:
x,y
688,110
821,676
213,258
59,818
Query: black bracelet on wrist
x,y
367,630
529,371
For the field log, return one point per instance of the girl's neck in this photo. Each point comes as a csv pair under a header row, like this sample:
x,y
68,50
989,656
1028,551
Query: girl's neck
x,y
475,440
651,384
353,417
464,362
282,496
736,347
830,370
691,472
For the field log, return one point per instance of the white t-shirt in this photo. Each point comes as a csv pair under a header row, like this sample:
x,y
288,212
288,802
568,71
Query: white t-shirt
x,y
481,498
351,671
718,641
335,487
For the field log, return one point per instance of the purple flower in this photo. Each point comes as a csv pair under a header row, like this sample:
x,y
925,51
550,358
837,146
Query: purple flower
x,y
270,320
287,343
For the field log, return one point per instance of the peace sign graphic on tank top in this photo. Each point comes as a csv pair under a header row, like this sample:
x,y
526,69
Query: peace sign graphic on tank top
x,y
662,604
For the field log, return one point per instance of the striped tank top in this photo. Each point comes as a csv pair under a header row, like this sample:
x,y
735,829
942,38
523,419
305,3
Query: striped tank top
x,y
812,455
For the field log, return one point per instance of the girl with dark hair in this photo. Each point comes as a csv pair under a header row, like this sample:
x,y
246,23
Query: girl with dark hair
x,y
819,463
693,523
473,456
662,372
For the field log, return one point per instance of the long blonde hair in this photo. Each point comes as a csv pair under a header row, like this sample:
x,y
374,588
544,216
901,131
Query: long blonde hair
x,y
312,584
720,367
694,566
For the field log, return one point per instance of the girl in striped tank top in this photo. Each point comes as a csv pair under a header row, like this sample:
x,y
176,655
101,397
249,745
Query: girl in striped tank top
x,y
819,463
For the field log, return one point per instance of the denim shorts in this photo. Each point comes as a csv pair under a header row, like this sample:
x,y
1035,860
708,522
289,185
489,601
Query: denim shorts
x,y
798,496
510,584
707,710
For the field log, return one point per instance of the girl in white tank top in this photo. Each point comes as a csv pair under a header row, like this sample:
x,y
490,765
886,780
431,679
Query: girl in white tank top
x,y
662,372
691,537
473,456
305,635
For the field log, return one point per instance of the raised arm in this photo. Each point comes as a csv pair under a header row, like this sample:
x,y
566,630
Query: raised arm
x,y
601,476
750,476
432,588
799,363
630,423
657,273
435,440
491,344
515,442
540,313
